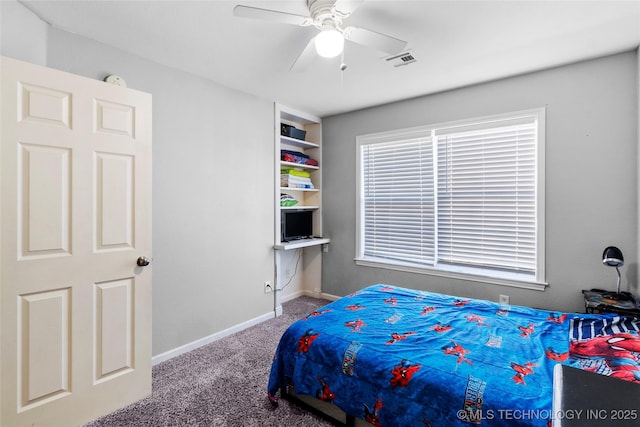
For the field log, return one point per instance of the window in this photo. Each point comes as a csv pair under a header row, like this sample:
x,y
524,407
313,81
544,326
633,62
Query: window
x,y
460,198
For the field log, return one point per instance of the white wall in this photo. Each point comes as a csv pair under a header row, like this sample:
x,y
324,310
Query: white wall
x,y
212,189
23,35
591,177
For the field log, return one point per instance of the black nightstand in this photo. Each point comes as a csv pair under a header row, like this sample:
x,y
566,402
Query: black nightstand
x,y
600,301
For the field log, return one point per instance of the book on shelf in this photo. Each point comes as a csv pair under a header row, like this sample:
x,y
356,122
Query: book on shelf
x,y
290,185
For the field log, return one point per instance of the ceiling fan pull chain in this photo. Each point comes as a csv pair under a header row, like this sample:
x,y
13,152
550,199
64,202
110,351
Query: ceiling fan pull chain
x,y
343,67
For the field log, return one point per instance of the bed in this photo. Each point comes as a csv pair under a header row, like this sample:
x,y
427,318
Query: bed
x,y
399,357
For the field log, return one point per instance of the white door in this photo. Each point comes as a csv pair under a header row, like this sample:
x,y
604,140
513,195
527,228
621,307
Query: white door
x,y
75,215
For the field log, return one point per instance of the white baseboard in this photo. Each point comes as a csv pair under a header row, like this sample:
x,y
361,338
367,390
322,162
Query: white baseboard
x,y
313,294
237,328
307,293
328,296
211,338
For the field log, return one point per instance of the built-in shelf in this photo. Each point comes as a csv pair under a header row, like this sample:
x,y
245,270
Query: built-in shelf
x,y
297,189
297,142
302,243
299,208
298,263
286,165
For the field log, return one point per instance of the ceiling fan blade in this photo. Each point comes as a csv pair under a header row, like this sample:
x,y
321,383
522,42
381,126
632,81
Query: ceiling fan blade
x,y
305,58
346,7
271,15
375,40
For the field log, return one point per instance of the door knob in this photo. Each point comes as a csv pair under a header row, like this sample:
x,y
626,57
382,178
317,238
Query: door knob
x,y
143,261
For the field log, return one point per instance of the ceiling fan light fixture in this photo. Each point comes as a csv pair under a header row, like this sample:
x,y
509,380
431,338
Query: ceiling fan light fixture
x,y
329,43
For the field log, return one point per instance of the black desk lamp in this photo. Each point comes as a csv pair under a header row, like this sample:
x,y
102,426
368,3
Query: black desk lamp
x,y
612,257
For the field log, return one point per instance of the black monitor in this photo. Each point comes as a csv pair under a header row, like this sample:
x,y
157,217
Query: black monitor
x,y
297,225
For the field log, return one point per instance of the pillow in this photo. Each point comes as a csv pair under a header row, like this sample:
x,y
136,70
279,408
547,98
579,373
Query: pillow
x,y
607,345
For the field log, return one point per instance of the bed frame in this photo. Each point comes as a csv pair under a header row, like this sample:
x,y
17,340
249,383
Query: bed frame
x,y
325,410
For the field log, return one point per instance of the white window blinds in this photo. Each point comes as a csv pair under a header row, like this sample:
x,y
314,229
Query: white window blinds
x,y
399,210
463,196
487,197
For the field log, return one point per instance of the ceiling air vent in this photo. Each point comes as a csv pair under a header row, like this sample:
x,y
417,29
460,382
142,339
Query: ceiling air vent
x,y
404,58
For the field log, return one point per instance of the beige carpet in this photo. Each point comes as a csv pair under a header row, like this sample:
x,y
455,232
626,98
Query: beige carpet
x,y
221,384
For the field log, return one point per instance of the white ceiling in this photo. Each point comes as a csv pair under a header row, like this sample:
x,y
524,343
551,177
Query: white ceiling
x,y
456,43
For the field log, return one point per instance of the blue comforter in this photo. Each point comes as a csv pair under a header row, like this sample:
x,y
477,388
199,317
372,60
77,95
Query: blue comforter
x,y
400,357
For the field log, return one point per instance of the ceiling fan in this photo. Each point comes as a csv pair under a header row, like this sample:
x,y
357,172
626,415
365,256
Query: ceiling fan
x,y
326,16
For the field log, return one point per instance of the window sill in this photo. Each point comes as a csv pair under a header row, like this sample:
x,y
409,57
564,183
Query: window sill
x,y
535,286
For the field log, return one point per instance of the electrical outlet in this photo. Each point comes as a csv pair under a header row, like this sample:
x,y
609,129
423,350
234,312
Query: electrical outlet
x,y
504,299
267,287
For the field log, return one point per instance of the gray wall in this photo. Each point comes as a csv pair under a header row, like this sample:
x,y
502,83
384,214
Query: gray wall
x,y
23,35
591,177
212,188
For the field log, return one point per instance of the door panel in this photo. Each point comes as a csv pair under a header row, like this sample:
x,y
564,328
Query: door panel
x,y
114,327
43,346
114,198
75,214
44,212
115,118
45,105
